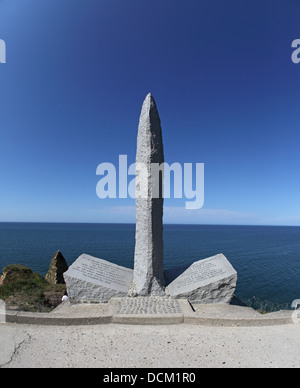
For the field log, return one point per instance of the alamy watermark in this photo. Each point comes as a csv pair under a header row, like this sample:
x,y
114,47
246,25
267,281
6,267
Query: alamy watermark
x,y
296,53
2,51
153,180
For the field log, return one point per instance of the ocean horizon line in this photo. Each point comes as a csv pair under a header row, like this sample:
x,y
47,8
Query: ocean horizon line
x,y
133,223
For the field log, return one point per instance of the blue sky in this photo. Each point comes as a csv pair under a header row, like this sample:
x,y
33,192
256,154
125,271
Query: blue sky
x,y
220,71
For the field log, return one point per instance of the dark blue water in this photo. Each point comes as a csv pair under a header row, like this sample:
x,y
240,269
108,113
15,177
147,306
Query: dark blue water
x,y
266,258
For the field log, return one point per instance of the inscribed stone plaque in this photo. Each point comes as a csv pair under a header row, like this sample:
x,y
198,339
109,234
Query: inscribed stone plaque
x,y
96,280
211,280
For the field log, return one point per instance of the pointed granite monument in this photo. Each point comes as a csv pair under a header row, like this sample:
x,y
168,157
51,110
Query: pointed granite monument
x,y
93,279
90,279
148,258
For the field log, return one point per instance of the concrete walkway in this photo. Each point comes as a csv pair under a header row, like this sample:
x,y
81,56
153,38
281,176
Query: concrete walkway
x,y
162,346
149,334
151,311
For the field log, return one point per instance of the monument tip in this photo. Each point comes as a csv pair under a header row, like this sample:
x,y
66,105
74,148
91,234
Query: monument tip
x,y
149,102
149,98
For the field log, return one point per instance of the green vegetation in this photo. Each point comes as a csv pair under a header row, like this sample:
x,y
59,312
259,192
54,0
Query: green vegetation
x,y
25,290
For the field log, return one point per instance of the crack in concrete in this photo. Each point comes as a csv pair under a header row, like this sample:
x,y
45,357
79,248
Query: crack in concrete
x,y
16,346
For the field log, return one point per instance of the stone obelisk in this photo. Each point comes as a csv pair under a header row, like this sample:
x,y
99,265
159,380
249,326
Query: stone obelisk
x,y
148,258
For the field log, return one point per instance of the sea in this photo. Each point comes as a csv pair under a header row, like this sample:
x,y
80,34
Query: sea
x,y
266,258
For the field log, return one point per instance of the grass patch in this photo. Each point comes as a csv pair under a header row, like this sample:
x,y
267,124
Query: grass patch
x,y
25,290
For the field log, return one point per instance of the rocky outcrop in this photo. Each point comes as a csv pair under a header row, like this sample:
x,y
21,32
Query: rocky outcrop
x,y
25,290
15,273
2,278
57,267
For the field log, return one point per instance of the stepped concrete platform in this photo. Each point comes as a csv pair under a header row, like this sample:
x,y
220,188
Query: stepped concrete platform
x,y
150,311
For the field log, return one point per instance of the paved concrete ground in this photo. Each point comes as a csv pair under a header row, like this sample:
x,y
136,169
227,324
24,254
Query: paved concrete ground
x,y
170,346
